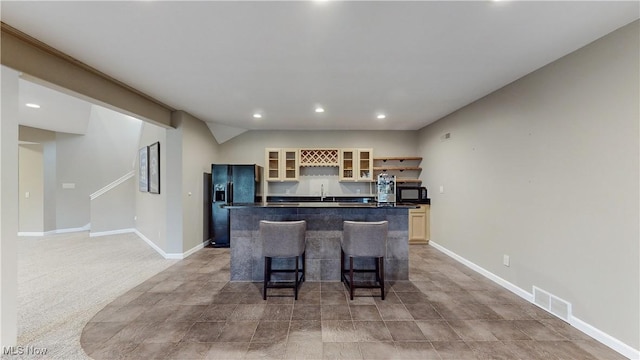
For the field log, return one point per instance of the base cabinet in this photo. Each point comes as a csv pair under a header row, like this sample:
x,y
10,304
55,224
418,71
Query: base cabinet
x,y
419,225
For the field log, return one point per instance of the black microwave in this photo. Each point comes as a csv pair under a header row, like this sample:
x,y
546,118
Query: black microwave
x,y
412,194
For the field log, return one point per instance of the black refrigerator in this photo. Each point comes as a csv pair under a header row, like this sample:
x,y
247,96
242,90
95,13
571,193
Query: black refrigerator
x,y
231,184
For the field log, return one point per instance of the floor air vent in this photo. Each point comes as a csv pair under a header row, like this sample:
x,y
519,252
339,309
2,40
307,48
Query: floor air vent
x,y
552,304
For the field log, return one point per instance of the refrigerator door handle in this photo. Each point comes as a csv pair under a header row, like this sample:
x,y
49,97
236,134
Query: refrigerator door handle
x,y
230,192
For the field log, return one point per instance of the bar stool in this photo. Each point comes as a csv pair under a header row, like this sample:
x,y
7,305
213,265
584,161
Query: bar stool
x,y
364,240
283,239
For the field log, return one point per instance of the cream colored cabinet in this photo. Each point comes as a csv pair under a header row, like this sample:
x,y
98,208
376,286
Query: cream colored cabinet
x,y
290,162
348,164
281,164
419,232
272,164
365,165
356,165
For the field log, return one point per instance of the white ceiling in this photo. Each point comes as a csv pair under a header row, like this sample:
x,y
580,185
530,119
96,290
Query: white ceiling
x,y
223,61
58,111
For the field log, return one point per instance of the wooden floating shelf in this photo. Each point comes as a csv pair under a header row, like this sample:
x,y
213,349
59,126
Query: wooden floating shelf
x,y
398,158
399,168
407,180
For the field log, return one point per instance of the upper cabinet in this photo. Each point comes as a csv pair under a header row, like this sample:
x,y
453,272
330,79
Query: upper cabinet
x,y
282,164
347,164
365,165
356,165
272,164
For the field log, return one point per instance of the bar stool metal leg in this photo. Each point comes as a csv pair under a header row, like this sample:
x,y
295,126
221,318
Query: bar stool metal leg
x,y
342,279
381,276
267,276
304,265
297,282
351,285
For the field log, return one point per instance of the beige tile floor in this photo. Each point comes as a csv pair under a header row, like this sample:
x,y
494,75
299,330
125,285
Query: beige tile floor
x,y
445,311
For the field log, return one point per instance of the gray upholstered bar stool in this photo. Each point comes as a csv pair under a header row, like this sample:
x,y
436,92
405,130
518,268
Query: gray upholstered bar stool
x,y
364,239
283,239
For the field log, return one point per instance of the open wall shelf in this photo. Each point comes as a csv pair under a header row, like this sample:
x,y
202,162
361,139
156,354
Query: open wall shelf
x,y
406,168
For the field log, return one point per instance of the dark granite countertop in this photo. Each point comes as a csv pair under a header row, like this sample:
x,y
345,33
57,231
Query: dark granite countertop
x,y
319,205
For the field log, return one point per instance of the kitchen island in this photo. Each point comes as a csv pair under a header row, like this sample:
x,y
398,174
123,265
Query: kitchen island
x,y
324,232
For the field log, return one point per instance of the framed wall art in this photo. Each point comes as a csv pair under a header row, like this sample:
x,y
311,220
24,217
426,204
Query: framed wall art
x,y
154,168
143,169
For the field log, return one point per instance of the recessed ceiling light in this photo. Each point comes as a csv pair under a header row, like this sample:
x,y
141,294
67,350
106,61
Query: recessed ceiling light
x,y
32,105
319,109
257,116
381,116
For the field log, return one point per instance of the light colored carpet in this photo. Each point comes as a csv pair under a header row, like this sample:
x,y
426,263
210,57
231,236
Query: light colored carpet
x,y
65,279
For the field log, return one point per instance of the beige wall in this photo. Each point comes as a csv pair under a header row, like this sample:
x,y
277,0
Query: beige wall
x,y
47,139
8,203
31,188
190,149
151,209
115,209
546,170
106,152
199,151
248,148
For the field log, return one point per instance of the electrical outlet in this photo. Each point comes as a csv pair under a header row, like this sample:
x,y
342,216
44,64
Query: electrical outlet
x,y
441,189
505,260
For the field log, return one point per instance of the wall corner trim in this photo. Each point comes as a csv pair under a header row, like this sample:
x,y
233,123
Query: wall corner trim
x,y
586,328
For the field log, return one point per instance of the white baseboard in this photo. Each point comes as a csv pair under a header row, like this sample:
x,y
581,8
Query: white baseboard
x,y
30,233
606,339
53,232
196,248
172,256
150,243
70,230
489,275
586,328
111,232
